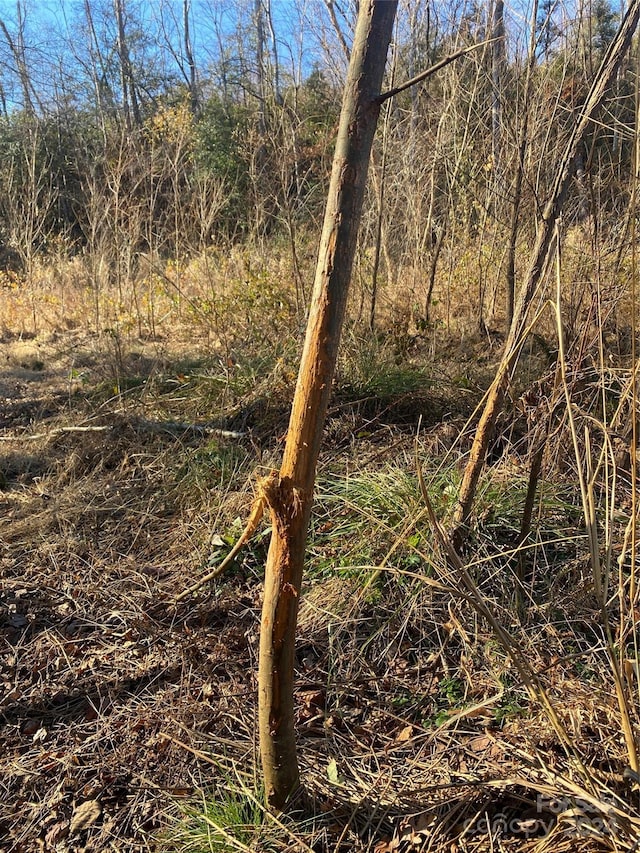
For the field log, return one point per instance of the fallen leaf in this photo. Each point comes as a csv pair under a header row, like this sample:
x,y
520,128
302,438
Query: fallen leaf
x,y
90,713
313,698
486,745
480,743
411,833
85,815
332,772
40,735
386,846
404,734
528,826
423,822
56,833
30,727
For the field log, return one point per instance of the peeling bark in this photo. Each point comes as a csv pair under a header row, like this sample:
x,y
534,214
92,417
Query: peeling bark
x,y
289,493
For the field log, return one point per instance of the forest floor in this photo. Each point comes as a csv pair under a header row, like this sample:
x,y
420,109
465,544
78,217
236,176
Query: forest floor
x,y
128,721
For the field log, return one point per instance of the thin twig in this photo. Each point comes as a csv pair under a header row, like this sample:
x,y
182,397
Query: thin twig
x,y
57,431
141,424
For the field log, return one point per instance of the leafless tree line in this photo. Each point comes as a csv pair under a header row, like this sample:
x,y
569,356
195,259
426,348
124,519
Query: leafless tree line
x,y
163,128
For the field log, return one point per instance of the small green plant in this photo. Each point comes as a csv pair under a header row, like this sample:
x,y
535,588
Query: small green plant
x,y
450,699
401,702
451,689
233,819
508,710
214,466
438,719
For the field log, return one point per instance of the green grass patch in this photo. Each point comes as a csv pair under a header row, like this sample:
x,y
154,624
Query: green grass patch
x,y
370,367
229,820
215,466
358,518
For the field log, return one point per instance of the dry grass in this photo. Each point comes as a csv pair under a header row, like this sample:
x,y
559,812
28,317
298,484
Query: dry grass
x,y
416,729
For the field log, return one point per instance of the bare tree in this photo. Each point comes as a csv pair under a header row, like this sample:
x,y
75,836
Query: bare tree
x,y
261,71
523,142
17,49
99,75
498,63
289,493
337,28
178,41
129,93
27,201
192,79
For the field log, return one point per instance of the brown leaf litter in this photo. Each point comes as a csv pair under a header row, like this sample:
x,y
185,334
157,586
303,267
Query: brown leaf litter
x,y
118,705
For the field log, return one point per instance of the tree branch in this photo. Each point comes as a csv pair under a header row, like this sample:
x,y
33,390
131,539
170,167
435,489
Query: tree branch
x,y
424,75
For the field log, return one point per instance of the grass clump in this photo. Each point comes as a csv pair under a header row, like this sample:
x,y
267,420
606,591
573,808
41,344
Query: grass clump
x,y
231,819
364,511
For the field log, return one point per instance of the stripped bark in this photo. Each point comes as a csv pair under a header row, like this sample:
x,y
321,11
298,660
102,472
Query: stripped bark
x,y
289,493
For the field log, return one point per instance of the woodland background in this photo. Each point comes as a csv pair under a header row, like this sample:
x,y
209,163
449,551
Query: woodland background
x,y
138,139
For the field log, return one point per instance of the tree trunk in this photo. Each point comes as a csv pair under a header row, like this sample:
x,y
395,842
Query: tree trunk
x,y
277,94
261,72
18,51
498,63
191,65
564,175
99,73
289,494
433,268
129,95
517,185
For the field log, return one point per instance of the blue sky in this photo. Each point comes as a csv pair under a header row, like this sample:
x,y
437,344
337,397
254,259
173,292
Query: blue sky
x,y
54,25
304,35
